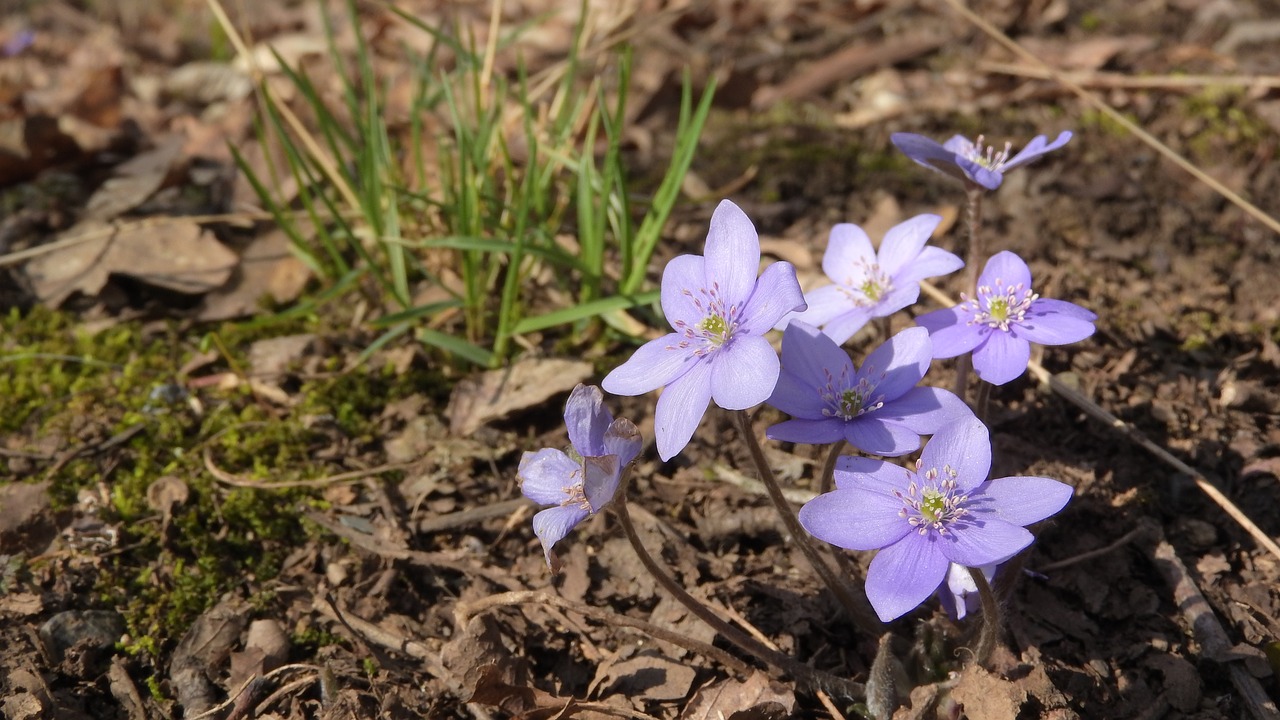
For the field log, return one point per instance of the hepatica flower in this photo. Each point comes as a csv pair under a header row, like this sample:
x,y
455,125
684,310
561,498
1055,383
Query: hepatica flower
x,y
971,161
867,284
944,512
719,311
878,408
999,324
580,483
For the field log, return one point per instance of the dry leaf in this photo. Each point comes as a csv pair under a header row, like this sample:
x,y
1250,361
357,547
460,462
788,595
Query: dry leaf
x,y
268,269
650,676
133,181
498,393
178,255
759,695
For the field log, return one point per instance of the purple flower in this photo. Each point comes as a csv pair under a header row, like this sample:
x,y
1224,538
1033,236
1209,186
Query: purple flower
x,y
867,285
945,512
578,485
879,408
972,161
720,311
1000,324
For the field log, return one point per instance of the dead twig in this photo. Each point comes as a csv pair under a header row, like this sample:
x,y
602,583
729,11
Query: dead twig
x,y
1111,80
1143,530
1101,105
347,477
1208,632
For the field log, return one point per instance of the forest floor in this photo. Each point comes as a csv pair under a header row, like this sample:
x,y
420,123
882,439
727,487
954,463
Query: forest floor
x,y
207,505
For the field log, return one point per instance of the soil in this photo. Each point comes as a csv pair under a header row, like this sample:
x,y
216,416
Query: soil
x,y
363,606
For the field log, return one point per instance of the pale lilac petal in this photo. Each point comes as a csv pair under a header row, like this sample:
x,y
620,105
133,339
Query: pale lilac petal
x,y
824,303
796,396
655,364
932,262
733,254
950,332
902,295
1036,148
1022,500
623,439
871,434
898,364
776,295
965,445
684,284
904,575
980,174
744,373
807,431
903,242
925,410
545,474
983,542
1046,325
1049,306
809,354
855,471
1007,268
1002,358
927,152
552,524
600,479
855,519
680,409
586,419
959,144
844,326
849,253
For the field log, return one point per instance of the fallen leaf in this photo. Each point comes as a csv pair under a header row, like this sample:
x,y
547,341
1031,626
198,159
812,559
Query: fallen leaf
x,y
268,269
133,181
175,254
650,676
757,697
498,393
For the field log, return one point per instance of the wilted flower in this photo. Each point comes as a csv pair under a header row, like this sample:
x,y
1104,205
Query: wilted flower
x,y
945,512
1001,322
878,408
720,311
867,284
971,161
581,484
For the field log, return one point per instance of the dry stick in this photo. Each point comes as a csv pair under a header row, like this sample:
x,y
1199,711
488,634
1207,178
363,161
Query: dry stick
x,y
1111,80
465,611
858,608
1101,105
801,672
1134,534
1075,397
990,618
1208,632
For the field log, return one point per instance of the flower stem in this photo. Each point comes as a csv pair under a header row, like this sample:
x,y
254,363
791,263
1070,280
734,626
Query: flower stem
x,y
858,608
990,618
796,669
975,257
828,478
982,403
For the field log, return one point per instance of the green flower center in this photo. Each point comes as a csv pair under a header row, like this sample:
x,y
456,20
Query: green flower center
x,y
714,325
850,403
872,289
932,505
998,309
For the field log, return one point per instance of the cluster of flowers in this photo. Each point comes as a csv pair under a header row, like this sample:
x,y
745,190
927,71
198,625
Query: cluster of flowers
x,y
929,523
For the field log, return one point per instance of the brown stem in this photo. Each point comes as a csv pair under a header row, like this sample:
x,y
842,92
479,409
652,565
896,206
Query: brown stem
x,y
829,468
859,609
974,253
990,618
982,403
778,661
465,611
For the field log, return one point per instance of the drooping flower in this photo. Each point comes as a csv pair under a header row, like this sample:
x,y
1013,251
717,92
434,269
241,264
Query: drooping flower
x,y
971,161
878,408
944,512
720,311
959,594
867,284
1001,322
580,484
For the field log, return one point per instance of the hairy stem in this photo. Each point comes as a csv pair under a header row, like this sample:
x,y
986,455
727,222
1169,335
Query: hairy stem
x,y
858,608
990,618
982,403
975,252
828,479
465,611
801,672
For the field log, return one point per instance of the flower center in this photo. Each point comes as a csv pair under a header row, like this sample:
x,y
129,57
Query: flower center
x,y
576,494
867,285
846,400
1000,307
987,156
717,327
937,506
